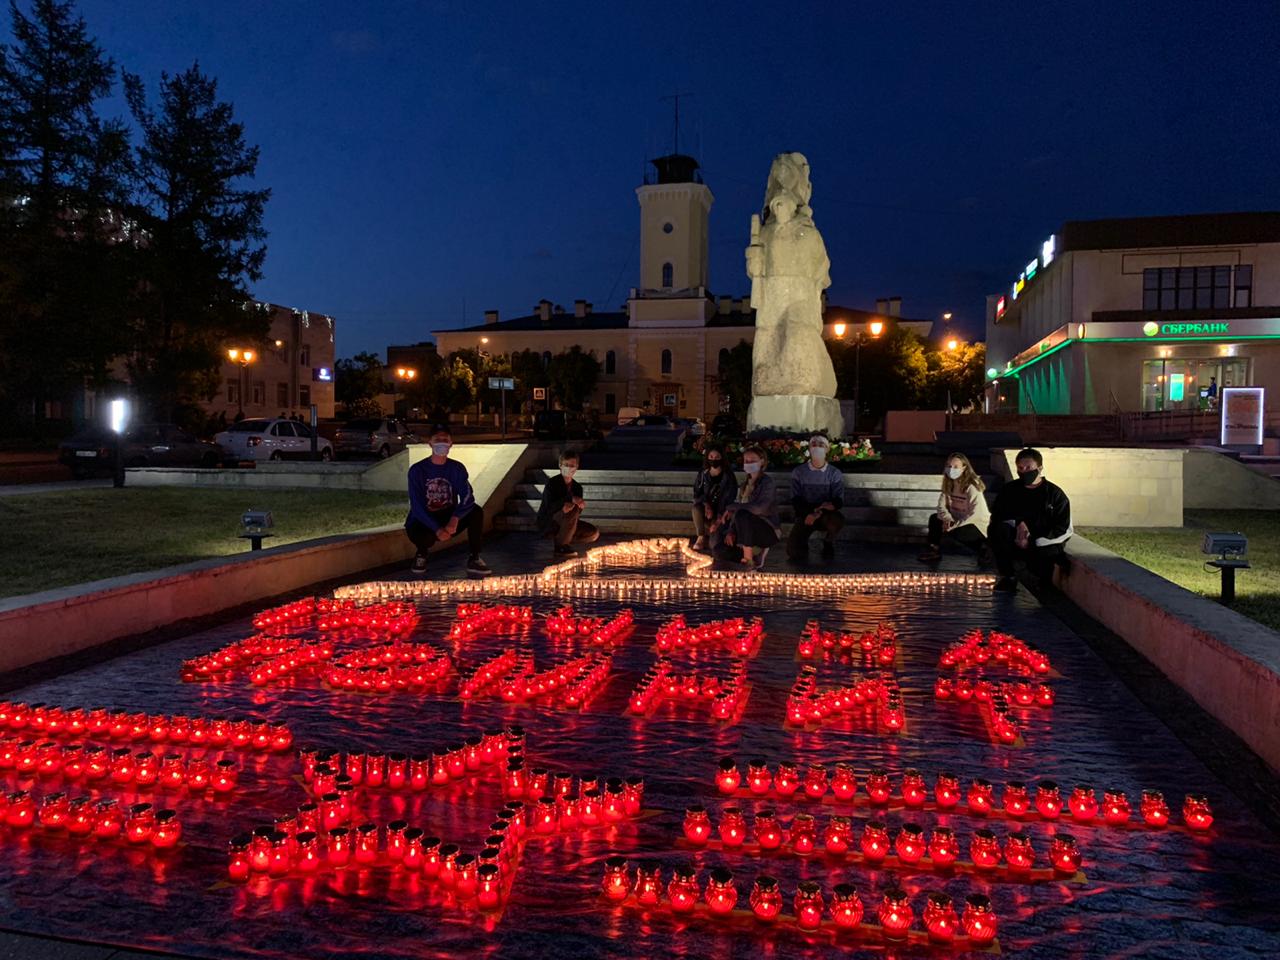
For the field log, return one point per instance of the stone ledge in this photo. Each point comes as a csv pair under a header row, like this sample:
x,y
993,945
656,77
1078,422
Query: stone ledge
x,y
1227,663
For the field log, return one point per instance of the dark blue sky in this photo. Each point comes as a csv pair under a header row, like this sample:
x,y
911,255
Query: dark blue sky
x,y
425,156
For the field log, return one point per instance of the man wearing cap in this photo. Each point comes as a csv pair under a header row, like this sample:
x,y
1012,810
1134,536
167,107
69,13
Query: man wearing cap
x,y
440,502
817,497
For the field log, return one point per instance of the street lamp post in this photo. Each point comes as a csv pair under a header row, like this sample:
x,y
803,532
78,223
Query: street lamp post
x,y
481,356
407,374
873,331
243,357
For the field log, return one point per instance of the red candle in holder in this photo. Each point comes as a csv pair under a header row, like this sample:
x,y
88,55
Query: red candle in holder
x,y
72,761
844,783
331,811
281,857
110,822
338,847
431,857
758,779
838,836
395,840
471,752
375,769
309,816
613,806
419,772
448,873
562,784
439,769
260,850
875,841
20,809
238,858
139,823
122,769
787,780
984,849
1018,852
1044,695
767,832
307,855
366,843
455,760
567,811
892,715
808,905
815,780
1015,800
167,830
648,888
914,792
1196,812
940,918
803,834
979,921
943,848
465,880
81,817
1048,800
1083,804
846,906
1064,853
281,738
728,778
173,772
54,808
589,808
942,688
198,774
733,828
683,892
878,787
514,783
225,776
1153,808
946,791
97,763
545,816
48,758
489,887
1115,807
909,844
721,894
616,884
633,795
353,767
895,914
397,770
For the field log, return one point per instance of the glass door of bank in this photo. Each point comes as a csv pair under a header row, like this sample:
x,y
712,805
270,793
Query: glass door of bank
x,y
1190,383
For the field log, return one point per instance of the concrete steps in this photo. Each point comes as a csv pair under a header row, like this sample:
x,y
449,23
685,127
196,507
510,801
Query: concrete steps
x,y
878,507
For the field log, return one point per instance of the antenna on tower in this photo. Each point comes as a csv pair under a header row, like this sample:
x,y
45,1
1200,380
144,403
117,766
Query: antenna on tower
x,y
675,99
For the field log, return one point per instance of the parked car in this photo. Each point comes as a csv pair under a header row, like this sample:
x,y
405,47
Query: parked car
x,y
651,423
562,425
378,437
628,414
271,439
692,425
726,425
145,445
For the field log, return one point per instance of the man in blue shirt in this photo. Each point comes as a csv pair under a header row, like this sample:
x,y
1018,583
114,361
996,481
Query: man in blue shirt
x,y
817,497
441,501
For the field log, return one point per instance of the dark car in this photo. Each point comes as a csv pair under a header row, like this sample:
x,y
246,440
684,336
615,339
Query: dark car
x,y
561,425
145,445
375,436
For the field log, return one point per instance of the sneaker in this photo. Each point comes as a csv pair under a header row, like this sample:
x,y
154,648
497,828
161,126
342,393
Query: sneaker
x,y
477,567
419,565
1006,585
930,555
700,543
564,550
828,550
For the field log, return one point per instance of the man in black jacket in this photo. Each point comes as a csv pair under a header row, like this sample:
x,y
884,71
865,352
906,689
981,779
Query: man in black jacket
x,y
1031,521
561,508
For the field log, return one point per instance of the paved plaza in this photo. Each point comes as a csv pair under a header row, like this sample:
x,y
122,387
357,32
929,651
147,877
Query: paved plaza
x,y
1141,892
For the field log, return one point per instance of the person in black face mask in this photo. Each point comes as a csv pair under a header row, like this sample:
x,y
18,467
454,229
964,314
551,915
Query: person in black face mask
x,y
1031,521
714,489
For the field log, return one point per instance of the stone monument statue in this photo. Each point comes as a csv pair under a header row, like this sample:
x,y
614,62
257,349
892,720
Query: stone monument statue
x,y
793,384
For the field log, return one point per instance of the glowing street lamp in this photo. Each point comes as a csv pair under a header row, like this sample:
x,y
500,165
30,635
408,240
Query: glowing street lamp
x,y
244,357
408,375
839,328
953,344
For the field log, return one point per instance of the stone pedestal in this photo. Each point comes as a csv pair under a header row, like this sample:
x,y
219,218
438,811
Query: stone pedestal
x,y
796,414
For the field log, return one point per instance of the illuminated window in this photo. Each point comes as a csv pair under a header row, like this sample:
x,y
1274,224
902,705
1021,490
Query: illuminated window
x,y
1195,288
666,361
668,276
610,362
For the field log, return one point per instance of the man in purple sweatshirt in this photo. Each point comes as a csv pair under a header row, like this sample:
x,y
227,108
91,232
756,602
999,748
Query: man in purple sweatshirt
x,y
441,501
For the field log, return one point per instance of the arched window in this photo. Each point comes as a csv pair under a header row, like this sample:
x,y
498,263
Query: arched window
x,y
546,358
666,361
723,359
668,276
610,362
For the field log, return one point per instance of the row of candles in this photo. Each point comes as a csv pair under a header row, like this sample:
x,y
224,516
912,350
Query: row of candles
x,y
475,618
684,892
737,636
326,772
1019,692
92,818
487,673
578,678
221,663
975,650
875,845
879,645
564,624
728,695
122,766
98,722
390,668
395,618
295,615
301,657
1047,803
807,703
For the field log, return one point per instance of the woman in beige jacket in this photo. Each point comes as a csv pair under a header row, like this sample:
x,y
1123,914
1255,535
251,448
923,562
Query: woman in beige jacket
x,y
962,515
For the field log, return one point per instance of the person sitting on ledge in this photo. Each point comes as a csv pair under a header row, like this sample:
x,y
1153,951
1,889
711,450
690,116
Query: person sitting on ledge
x,y
817,496
750,524
714,489
440,501
962,515
1031,521
561,509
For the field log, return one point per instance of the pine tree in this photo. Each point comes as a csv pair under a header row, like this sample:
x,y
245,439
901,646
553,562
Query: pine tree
x,y
64,228
204,240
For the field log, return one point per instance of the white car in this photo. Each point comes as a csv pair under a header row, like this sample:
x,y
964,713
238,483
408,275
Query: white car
x,y
273,439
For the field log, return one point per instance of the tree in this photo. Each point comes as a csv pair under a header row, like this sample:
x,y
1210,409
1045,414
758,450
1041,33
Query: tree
x,y
204,239
573,375
451,390
529,371
359,378
735,379
890,374
64,228
958,375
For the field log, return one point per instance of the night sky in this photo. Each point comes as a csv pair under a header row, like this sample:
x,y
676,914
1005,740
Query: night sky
x,y
429,161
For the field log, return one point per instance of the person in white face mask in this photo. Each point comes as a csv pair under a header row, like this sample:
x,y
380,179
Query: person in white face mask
x,y
962,515
441,502
750,524
817,497
559,515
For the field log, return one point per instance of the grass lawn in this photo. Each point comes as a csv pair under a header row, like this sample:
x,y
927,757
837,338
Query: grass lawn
x,y
56,539
1175,555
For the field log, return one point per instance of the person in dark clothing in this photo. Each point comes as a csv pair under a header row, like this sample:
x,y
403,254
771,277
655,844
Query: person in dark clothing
x,y
713,490
559,516
440,502
750,524
817,497
1031,521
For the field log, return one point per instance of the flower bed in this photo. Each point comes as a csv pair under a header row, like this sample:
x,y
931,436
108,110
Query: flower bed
x,y
783,451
